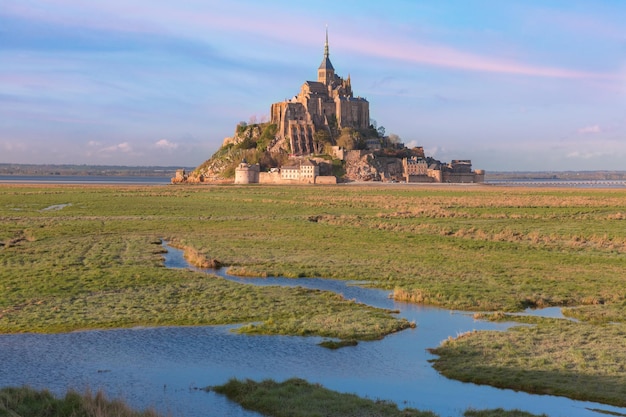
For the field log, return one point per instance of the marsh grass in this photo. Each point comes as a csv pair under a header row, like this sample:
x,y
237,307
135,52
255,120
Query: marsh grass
x,y
584,361
297,397
99,264
476,248
499,412
27,402
96,262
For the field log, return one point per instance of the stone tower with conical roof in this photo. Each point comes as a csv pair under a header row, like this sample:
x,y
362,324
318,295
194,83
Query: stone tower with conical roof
x,y
320,105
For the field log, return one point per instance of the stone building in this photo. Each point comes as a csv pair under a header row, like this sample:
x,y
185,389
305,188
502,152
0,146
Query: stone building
x,y
305,171
414,167
320,105
460,171
246,173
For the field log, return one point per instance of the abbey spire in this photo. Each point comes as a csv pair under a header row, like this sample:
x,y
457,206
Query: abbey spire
x,y
326,72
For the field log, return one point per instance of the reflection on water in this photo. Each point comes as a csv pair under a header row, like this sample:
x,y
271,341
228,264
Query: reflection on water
x,y
163,367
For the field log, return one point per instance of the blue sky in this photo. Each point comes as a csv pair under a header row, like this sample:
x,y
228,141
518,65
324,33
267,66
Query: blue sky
x,y
512,85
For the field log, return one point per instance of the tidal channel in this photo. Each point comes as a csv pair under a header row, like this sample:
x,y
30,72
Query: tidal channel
x,y
165,367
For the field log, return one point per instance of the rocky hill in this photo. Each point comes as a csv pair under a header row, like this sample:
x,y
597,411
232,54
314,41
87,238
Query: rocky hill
x,y
257,143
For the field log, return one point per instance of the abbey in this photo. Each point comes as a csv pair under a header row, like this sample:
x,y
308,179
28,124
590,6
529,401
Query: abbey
x,y
321,136
321,105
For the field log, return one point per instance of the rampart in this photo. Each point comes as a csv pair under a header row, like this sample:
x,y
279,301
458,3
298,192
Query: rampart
x,y
275,178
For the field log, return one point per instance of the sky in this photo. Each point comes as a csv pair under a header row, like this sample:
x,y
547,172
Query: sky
x,y
529,85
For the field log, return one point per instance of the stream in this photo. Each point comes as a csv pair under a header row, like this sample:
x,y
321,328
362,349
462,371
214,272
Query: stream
x,y
164,367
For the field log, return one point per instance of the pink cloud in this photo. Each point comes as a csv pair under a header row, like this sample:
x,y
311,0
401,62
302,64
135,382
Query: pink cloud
x,y
590,130
227,19
166,144
123,147
449,57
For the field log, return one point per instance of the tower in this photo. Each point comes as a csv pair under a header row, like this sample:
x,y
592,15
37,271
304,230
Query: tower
x,y
326,72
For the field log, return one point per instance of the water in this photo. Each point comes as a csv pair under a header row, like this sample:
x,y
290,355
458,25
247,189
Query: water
x,y
564,183
85,179
164,367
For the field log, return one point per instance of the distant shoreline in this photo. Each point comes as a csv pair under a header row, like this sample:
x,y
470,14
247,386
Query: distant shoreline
x,y
84,179
163,180
556,175
54,170
51,170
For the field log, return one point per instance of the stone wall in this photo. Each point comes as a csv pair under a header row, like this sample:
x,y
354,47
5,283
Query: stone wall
x,y
420,178
458,177
326,179
274,178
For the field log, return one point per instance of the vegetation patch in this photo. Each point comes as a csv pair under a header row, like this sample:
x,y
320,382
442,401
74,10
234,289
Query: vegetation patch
x,y
336,344
582,361
27,402
499,412
97,263
297,397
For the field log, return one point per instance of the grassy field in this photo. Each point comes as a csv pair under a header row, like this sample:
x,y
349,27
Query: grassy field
x,y
26,402
476,248
296,397
77,257
90,257
584,361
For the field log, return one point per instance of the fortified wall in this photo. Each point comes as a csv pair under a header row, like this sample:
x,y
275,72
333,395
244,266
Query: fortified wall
x,y
300,172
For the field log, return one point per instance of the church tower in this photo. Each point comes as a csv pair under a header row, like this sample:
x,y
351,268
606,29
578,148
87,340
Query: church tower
x,y
326,72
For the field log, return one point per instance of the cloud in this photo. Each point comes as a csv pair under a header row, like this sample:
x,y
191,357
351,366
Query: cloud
x,y
123,147
590,130
13,146
166,144
183,20
586,154
450,57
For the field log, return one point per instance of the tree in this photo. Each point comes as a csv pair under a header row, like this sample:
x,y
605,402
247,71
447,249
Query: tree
x,y
347,139
241,127
394,140
321,138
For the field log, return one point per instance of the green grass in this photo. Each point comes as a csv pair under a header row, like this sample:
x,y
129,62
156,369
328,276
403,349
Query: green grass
x,y
296,397
27,402
584,361
96,262
471,248
499,412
